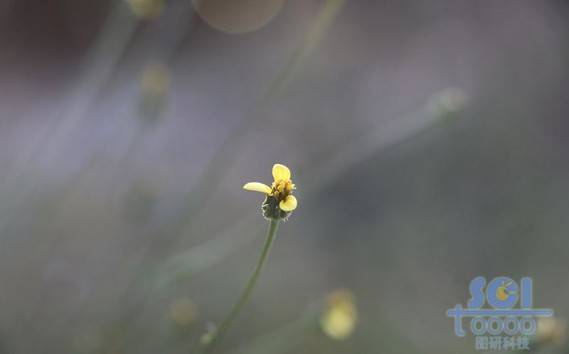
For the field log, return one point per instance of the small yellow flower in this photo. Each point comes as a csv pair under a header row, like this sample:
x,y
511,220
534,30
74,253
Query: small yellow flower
x,y
338,320
279,202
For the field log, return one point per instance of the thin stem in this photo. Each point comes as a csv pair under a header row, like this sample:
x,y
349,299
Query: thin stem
x,y
220,331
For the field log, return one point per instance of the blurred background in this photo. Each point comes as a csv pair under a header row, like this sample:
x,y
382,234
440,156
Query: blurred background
x,y
428,142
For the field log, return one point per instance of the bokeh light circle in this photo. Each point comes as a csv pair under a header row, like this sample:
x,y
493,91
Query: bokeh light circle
x,y
237,16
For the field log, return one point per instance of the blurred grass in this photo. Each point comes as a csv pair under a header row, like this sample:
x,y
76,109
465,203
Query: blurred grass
x,y
163,237
167,271
315,179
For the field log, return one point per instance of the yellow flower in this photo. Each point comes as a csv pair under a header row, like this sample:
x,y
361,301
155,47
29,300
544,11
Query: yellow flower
x,y
279,202
338,321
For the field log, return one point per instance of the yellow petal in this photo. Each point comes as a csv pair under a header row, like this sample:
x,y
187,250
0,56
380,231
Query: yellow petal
x,y
257,187
281,172
289,204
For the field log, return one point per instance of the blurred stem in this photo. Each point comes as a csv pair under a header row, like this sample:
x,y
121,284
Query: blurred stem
x,y
100,62
220,331
317,30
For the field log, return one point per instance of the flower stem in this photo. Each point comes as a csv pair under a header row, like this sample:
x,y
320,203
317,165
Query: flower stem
x,y
220,331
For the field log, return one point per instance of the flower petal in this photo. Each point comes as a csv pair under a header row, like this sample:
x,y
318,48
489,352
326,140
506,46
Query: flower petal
x,y
257,187
281,172
289,204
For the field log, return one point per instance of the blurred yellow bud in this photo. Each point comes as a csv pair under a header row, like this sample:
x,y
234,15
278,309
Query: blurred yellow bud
x,y
339,318
183,312
146,9
550,330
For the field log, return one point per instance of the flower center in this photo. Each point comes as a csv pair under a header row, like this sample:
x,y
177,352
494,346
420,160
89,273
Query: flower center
x,y
282,188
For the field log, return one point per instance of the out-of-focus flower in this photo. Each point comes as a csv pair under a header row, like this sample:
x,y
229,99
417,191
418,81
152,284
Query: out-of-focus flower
x,y
279,202
339,318
146,9
446,104
183,312
550,330
154,86
237,16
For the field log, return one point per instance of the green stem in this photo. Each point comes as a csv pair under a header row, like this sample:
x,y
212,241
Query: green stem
x,y
220,331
